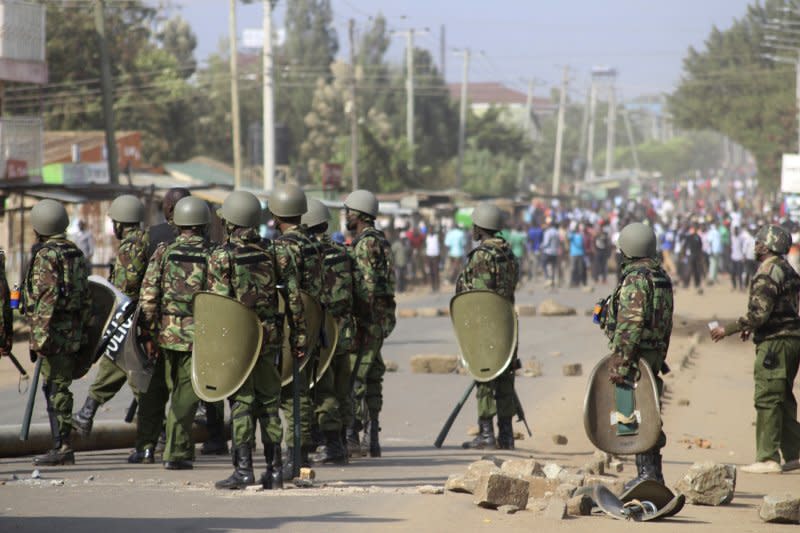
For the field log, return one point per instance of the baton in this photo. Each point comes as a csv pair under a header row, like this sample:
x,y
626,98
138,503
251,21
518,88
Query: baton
x,y
26,419
452,418
16,364
131,412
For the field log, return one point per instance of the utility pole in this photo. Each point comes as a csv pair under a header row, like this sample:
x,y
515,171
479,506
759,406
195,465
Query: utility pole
x,y
562,104
442,48
462,122
590,142
353,109
409,35
528,130
634,152
234,66
584,124
108,92
269,102
611,123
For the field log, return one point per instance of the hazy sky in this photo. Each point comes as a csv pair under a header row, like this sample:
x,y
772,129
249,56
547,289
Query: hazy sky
x,y
644,40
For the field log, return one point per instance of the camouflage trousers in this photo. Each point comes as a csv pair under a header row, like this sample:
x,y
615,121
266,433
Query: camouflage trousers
x,y
150,417
496,397
333,401
777,428
183,405
107,383
257,399
368,389
306,408
57,374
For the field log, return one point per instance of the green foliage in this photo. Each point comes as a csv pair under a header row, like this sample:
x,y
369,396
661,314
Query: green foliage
x,y
731,88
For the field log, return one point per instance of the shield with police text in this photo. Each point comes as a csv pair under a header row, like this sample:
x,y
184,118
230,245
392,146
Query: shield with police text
x,y
105,300
314,315
127,352
227,343
486,330
622,419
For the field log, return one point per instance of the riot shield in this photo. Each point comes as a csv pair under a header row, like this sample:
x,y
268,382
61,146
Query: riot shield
x,y
227,343
328,344
129,354
485,324
105,300
612,430
313,312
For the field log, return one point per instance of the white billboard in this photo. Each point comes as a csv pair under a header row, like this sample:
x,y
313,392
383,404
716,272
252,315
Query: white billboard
x,y
790,173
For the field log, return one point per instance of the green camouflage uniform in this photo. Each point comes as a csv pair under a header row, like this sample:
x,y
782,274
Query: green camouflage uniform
x,y
175,273
299,260
6,316
374,307
58,304
334,404
126,275
772,319
639,323
492,266
244,269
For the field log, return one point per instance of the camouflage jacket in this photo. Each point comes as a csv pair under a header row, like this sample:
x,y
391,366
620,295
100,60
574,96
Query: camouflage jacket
x,y
773,305
299,261
175,273
373,273
6,316
640,310
57,298
244,268
491,266
337,294
131,262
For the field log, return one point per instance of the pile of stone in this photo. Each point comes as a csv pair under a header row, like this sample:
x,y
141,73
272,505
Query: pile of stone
x,y
548,489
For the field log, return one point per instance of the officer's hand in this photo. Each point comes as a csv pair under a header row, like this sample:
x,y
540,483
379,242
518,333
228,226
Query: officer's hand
x,y
621,370
744,335
150,349
718,333
299,354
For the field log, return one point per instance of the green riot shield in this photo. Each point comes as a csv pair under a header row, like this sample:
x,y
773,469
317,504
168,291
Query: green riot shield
x,y
612,431
485,324
313,312
105,300
327,345
128,354
227,343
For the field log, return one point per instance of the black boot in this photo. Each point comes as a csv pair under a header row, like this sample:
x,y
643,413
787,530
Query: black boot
x,y
273,477
371,439
145,456
317,437
352,441
333,451
216,444
83,419
505,433
60,454
485,438
242,470
648,467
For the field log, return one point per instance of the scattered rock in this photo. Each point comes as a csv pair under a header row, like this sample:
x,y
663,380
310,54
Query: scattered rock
x,y
537,504
560,440
303,483
508,509
580,505
391,366
434,364
57,482
430,489
493,458
427,312
519,435
444,311
683,402
572,478
90,478
566,490
539,486
469,481
556,509
457,483
532,368
307,474
473,431
555,354
596,467
602,456
588,289
406,313
614,484
36,474
522,468
130,480
574,369
497,489
552,470
552,308
616,467
525,310
708,483
780,508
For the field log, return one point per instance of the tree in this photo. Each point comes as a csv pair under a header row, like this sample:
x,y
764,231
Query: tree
x,y
730,87
179,40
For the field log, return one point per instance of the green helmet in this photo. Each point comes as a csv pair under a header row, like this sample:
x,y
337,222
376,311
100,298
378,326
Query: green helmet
x,y
637,240
775,238
126,209
49,218
191,211
362,201
317,214
288,201
241,208
488,216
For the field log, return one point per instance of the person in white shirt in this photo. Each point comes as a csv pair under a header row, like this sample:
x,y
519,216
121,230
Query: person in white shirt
x,y
432,257
737,258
